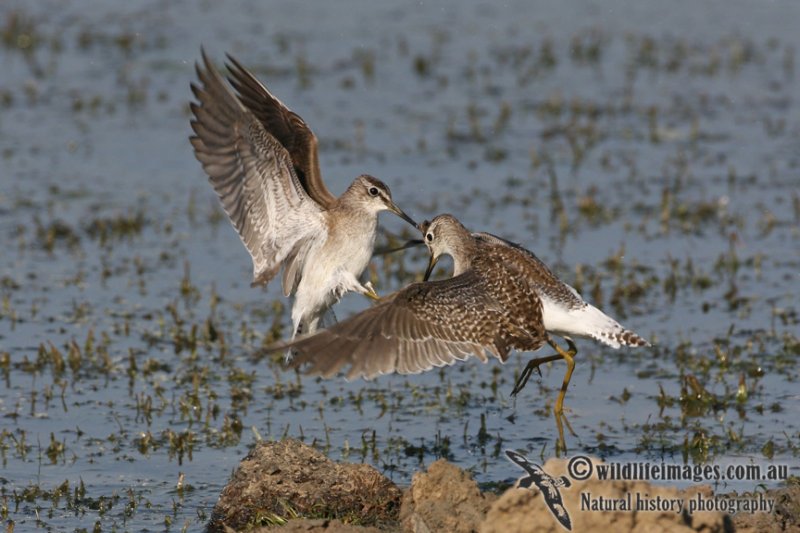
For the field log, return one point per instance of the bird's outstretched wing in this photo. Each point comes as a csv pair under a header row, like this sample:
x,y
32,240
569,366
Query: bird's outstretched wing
x,y
254,178
287,127
423,326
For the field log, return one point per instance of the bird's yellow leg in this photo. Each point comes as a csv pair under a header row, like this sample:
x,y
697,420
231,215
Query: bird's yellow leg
x,y
558,410
561,442
569,357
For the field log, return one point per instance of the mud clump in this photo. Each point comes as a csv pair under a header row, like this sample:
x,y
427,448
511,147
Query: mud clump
x,y
785,518
304,525
445,498
525,510
278,481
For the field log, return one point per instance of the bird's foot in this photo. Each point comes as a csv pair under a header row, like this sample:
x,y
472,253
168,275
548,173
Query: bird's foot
x,y
525,376
369,291
532,365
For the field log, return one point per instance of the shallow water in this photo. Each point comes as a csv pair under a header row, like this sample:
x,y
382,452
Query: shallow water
x,y
648,156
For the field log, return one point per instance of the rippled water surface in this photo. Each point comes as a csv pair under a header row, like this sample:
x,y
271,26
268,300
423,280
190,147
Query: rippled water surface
x,y
649,153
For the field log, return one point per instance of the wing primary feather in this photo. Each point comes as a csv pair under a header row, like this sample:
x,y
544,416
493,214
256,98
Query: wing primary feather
x,y
288,128
253,176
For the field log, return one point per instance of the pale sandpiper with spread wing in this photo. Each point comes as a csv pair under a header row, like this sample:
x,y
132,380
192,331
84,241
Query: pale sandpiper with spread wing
x,y
261,159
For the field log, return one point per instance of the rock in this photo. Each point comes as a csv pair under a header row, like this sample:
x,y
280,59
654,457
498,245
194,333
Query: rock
x,y
445,498
525,510
278,481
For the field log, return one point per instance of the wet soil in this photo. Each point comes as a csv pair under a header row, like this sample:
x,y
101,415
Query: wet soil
x,y
287,486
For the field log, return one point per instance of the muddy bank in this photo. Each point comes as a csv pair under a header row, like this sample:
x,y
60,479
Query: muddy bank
x,y
291,486
279,481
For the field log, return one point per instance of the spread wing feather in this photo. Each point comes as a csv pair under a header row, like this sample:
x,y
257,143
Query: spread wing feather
x,y
253,176
423,326
287,127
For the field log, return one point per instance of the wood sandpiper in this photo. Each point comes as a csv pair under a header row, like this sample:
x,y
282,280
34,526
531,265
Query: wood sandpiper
x,y
501,297
261,159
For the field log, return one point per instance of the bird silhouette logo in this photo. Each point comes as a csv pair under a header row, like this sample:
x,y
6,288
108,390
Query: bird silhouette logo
x,y
547,484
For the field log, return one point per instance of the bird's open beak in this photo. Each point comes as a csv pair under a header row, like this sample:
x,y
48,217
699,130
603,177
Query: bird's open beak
x,y
399,212
431,263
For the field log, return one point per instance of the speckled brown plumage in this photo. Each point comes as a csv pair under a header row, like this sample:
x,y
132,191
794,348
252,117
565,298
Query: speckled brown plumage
x,y
487,309
559,298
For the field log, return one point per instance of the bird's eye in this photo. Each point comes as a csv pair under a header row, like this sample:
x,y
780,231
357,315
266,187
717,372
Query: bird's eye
x,y
429,237
373,191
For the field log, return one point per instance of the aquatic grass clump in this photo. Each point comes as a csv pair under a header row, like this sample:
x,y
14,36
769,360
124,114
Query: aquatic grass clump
x,y
116,228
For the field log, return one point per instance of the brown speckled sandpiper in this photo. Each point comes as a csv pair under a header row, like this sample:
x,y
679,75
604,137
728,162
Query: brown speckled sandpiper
x,y
501,297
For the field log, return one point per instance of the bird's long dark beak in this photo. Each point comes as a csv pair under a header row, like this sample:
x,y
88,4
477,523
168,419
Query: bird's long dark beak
x,y
399,212
431,263
409,244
